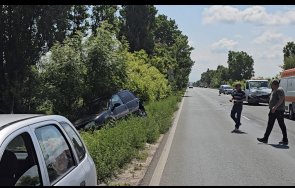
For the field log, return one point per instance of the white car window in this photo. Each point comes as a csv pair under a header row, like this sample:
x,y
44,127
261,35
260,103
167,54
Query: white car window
x,y
76,141
56,152
19,165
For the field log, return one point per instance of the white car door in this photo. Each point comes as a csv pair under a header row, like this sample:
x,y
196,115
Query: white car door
x,y
59,159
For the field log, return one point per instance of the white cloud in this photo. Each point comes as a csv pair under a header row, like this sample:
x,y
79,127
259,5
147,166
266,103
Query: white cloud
x,y
271,37
223,44
253,14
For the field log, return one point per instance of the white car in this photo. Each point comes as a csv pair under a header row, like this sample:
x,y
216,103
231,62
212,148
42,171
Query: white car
x,y
43,150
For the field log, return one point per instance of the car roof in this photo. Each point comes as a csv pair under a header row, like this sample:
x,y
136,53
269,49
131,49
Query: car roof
x,y
6,119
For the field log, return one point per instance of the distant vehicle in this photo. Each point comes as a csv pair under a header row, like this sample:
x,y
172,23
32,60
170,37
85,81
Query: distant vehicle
x,y
225,89
257,91
120,105
190,86
41,150
287,82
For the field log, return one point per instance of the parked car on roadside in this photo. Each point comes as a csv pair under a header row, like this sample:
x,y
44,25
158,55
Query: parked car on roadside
x,y
287,82
43,150
120,105
225,89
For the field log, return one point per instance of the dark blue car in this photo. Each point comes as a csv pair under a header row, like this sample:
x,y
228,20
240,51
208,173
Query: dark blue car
x,y
120,105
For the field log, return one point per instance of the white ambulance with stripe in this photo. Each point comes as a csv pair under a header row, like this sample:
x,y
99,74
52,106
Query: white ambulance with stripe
x,y
287,82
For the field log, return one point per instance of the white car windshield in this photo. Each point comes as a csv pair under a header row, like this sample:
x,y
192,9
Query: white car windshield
x,y
259,84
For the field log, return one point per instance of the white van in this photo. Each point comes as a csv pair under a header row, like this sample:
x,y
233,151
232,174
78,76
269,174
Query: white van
x,y
287,82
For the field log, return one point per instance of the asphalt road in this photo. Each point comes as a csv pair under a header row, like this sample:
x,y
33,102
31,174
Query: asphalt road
x,y
205,152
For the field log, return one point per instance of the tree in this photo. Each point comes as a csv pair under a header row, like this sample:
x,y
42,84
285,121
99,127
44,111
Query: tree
x,y
105,62
64,77
240,65
289,56
145,80
101,13
27,32
78,19
289,49
137,24
165,30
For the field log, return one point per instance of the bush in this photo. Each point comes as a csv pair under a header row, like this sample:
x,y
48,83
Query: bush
x,y
112,148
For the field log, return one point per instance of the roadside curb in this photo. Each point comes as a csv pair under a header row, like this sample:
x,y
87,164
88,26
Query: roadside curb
x,y
156,177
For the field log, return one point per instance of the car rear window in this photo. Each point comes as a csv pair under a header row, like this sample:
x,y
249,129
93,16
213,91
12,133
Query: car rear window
x,y
126,96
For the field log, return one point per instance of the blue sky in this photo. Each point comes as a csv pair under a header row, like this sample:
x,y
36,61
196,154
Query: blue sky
x,y
261,31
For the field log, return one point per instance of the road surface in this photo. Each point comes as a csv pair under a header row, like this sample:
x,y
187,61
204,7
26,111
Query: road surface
x,y
205,152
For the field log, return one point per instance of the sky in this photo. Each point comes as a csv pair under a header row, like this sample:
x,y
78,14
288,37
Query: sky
x,y
261,31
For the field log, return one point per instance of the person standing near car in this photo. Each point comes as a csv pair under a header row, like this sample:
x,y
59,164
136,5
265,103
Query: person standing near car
x,y
238,96
277,109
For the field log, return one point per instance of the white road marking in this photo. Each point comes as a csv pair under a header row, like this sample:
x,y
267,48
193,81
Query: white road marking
x,y
245,117
156,178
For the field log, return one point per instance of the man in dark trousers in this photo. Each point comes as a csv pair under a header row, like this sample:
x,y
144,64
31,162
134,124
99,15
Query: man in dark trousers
x,y
238,96
277,109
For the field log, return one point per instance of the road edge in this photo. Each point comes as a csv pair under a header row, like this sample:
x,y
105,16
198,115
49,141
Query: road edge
x,y
157,175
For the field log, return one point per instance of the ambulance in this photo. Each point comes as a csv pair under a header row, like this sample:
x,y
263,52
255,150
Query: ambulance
x,y
287,82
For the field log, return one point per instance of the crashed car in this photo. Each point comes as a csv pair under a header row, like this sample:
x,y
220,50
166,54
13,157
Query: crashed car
x,y
257,91
120,105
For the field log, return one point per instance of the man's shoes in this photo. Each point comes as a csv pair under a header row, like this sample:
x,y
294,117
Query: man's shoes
x,y
263,140
284,142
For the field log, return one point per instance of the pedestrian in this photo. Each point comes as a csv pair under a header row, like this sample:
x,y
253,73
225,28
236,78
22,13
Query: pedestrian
x,y
238,96
277,109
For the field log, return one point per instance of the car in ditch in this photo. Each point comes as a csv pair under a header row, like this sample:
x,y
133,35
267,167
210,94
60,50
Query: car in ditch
x,y
257,91
43,150
120,105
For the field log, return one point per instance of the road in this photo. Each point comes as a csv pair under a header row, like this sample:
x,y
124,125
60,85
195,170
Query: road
x,y
205,152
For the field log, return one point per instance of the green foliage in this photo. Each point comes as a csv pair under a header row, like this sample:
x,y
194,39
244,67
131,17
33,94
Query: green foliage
x,y
63,76
145,80
240,68
240,65
112,148
289,56
138,22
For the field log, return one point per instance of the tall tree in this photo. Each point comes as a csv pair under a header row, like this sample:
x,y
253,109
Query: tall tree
x,y
102,13
289,56
26,33
240,65
137,24
78,19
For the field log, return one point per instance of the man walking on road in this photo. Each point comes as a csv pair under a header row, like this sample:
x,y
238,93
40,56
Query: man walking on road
x,y
238,98
277,109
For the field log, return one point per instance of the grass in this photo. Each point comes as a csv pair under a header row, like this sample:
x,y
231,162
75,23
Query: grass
x,y
113,148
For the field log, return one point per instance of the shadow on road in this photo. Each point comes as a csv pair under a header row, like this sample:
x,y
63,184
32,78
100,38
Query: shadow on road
x,y
287,117
255,104
278,146
239,132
